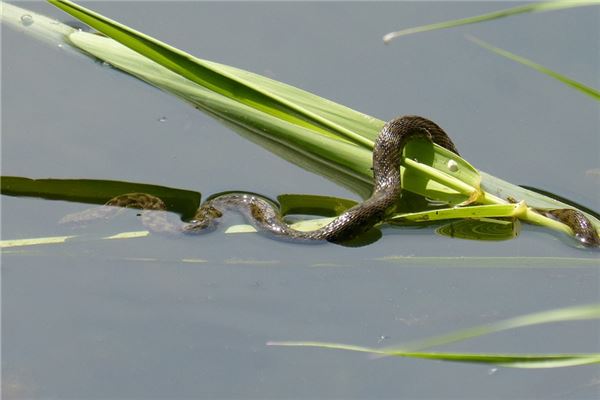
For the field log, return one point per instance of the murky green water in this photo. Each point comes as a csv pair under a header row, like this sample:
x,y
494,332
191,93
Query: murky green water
x,y
189,317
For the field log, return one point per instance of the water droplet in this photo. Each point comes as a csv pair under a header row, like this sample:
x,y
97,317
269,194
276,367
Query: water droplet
x,y
492,371
452,166
26,19
162,119
106,64
60,45
383,338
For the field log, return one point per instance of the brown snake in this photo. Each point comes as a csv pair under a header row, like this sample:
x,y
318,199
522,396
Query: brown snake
x,y
387,155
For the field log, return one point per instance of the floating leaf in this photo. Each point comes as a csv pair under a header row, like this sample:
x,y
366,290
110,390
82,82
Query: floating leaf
x,y
92,191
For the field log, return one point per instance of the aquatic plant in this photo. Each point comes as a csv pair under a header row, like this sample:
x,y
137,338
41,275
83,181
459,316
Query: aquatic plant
x,y
329,138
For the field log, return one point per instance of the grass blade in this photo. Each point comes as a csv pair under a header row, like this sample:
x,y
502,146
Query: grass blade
x,y
531,7
498,359
595,94
584,312
576,313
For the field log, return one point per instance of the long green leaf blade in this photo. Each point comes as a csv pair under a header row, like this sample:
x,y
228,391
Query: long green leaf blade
x,y
204,74
440,182
595,94
576,313
499,359
531,7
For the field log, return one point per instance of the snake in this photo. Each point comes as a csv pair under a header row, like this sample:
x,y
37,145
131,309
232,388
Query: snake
x,y
583,229
265,216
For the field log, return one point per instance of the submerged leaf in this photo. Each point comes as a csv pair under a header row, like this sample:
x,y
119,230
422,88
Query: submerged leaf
x,y
327,206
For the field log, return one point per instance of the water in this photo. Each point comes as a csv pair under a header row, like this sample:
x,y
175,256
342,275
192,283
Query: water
x,y
26,19
189,317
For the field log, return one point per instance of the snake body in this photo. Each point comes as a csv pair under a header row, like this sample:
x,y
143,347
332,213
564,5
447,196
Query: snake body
x,y
582,227
387,155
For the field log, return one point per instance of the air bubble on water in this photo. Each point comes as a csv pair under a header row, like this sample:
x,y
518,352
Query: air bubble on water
x,y
162,119
26,19
452,165
383,338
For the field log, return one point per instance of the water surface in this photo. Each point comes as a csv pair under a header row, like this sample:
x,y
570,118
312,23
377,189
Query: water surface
x,y
134,319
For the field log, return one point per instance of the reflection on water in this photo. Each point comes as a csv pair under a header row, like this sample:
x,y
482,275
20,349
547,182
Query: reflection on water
x,y
154,201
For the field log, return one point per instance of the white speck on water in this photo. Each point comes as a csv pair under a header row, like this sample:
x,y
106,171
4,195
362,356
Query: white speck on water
x,y
383,338
452,166
162,119
26,19
106,64
60,45
492,371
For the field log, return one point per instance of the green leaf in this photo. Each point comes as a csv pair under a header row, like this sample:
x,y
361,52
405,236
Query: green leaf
x,y
595,94
219,80
93,191
577,313
531,7
502,360
487,211
332,139
440,182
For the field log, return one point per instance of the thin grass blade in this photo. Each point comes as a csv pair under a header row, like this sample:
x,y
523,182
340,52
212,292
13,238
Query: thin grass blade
x,y
412,349
593,93
577,313
531,7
